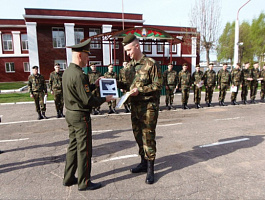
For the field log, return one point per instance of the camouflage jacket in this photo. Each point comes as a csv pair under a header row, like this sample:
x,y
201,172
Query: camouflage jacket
x,y
197,77
111,75
184,79
145,75
209,78
236,77
224,77
170,78
262,75
247,73
93,76
122,77
256,74
55,81
36,83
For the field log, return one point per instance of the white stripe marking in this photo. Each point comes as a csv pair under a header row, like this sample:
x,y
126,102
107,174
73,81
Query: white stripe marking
x,y
118,158
225,142
101,131
15,140
227,119
170,124
18,122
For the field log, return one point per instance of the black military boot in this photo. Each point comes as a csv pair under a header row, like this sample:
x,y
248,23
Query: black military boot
x,y
233,103
220,103
110,110
183,107
262,100
236,102
171,107
127,109
196,106
223,104
58,114
186,106
199,105
150,177
62,115
142,167
39,116
43,115
94,112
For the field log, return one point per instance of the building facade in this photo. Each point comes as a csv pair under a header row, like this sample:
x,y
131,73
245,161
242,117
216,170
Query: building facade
x,y
42,36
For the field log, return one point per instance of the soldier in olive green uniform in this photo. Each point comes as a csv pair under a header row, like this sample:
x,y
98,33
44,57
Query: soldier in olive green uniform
x,y
37,90
236,79
254,83
122,78
209,78
93,75
55,83
197,80
262,77
223,80
247,78
78,102
111,74
185,85
170,81
144,77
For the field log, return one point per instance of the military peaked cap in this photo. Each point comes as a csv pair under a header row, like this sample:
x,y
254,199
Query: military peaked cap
x,y
82,47
128,39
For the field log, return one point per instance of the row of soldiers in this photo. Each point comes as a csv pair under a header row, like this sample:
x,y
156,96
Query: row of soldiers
x,y
245,78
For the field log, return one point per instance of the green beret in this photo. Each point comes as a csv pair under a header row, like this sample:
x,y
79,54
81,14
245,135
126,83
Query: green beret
x,y
35,67
128,39
82,47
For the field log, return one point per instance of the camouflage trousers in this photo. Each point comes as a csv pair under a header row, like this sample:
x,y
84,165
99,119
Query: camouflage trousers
x,y
112,103
222,92
96,93
170,95
209,93
185,95
58,99
253,89
262,90
197,94
144,119
39,101
234,94
244,92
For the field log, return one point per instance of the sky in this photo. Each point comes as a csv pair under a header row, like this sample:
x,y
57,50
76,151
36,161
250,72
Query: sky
x,y
155,12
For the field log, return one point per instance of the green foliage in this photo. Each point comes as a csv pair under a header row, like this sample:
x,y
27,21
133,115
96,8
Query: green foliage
x,y
12,85
18,97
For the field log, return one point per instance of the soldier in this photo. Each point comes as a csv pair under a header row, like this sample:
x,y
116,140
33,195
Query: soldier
x,y
197,80
209,78
247,78
93,75
144,77
223,80
184,85
254,83
236,79
37,90
170,81
55,83
262,78
78,102
111,74
123,79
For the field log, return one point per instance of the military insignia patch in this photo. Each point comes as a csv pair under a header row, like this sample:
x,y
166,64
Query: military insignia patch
x,y
86,88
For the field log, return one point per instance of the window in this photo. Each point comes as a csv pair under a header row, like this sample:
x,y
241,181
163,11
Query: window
x,y
147,47
174,62
117,62
62,63
95,43
10,67
174,48
7,42
58,37
116,45
79,35
26,67
24,42
160,47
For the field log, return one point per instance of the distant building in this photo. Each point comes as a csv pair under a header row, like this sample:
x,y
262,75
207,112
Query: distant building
x,y
42,36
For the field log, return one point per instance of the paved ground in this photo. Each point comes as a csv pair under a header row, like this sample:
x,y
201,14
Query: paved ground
x,y
210,153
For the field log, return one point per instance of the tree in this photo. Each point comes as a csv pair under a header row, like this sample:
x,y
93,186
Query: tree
x,y
205,16
246,47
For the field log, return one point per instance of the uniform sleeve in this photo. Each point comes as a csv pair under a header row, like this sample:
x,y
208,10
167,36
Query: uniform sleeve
x,y
30,85
50,82
176,79
44,85
165,78
219,78
180,77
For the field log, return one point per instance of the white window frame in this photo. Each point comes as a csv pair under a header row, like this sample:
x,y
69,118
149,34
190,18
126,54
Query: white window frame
x,y
7,42
147,47
26,67
8,67
63,64
174,48
24,42
79,35
58,41
96,44
117,62
160,47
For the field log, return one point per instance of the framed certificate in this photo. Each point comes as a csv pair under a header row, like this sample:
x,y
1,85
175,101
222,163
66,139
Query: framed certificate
x,y
108,86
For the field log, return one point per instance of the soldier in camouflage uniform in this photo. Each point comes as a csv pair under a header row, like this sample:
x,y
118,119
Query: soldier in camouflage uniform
x,y
236,79
223,80
254,83
185,85
197,80
111,74
209,78
247,78
55,83
170,81
37,89
262,78
144,77
122,78
93,75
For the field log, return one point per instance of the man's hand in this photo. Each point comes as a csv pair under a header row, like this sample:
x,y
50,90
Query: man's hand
x,y
109,98
46,94
134,92
250,79
31,95
51,92
218,87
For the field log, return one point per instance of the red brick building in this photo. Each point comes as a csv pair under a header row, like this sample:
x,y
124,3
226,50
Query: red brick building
x,y
42,36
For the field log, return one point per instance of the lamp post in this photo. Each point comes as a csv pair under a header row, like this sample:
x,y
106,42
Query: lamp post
x,y
237,35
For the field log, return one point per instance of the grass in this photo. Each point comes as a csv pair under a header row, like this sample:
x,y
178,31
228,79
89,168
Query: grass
x,y
18,97
12,85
